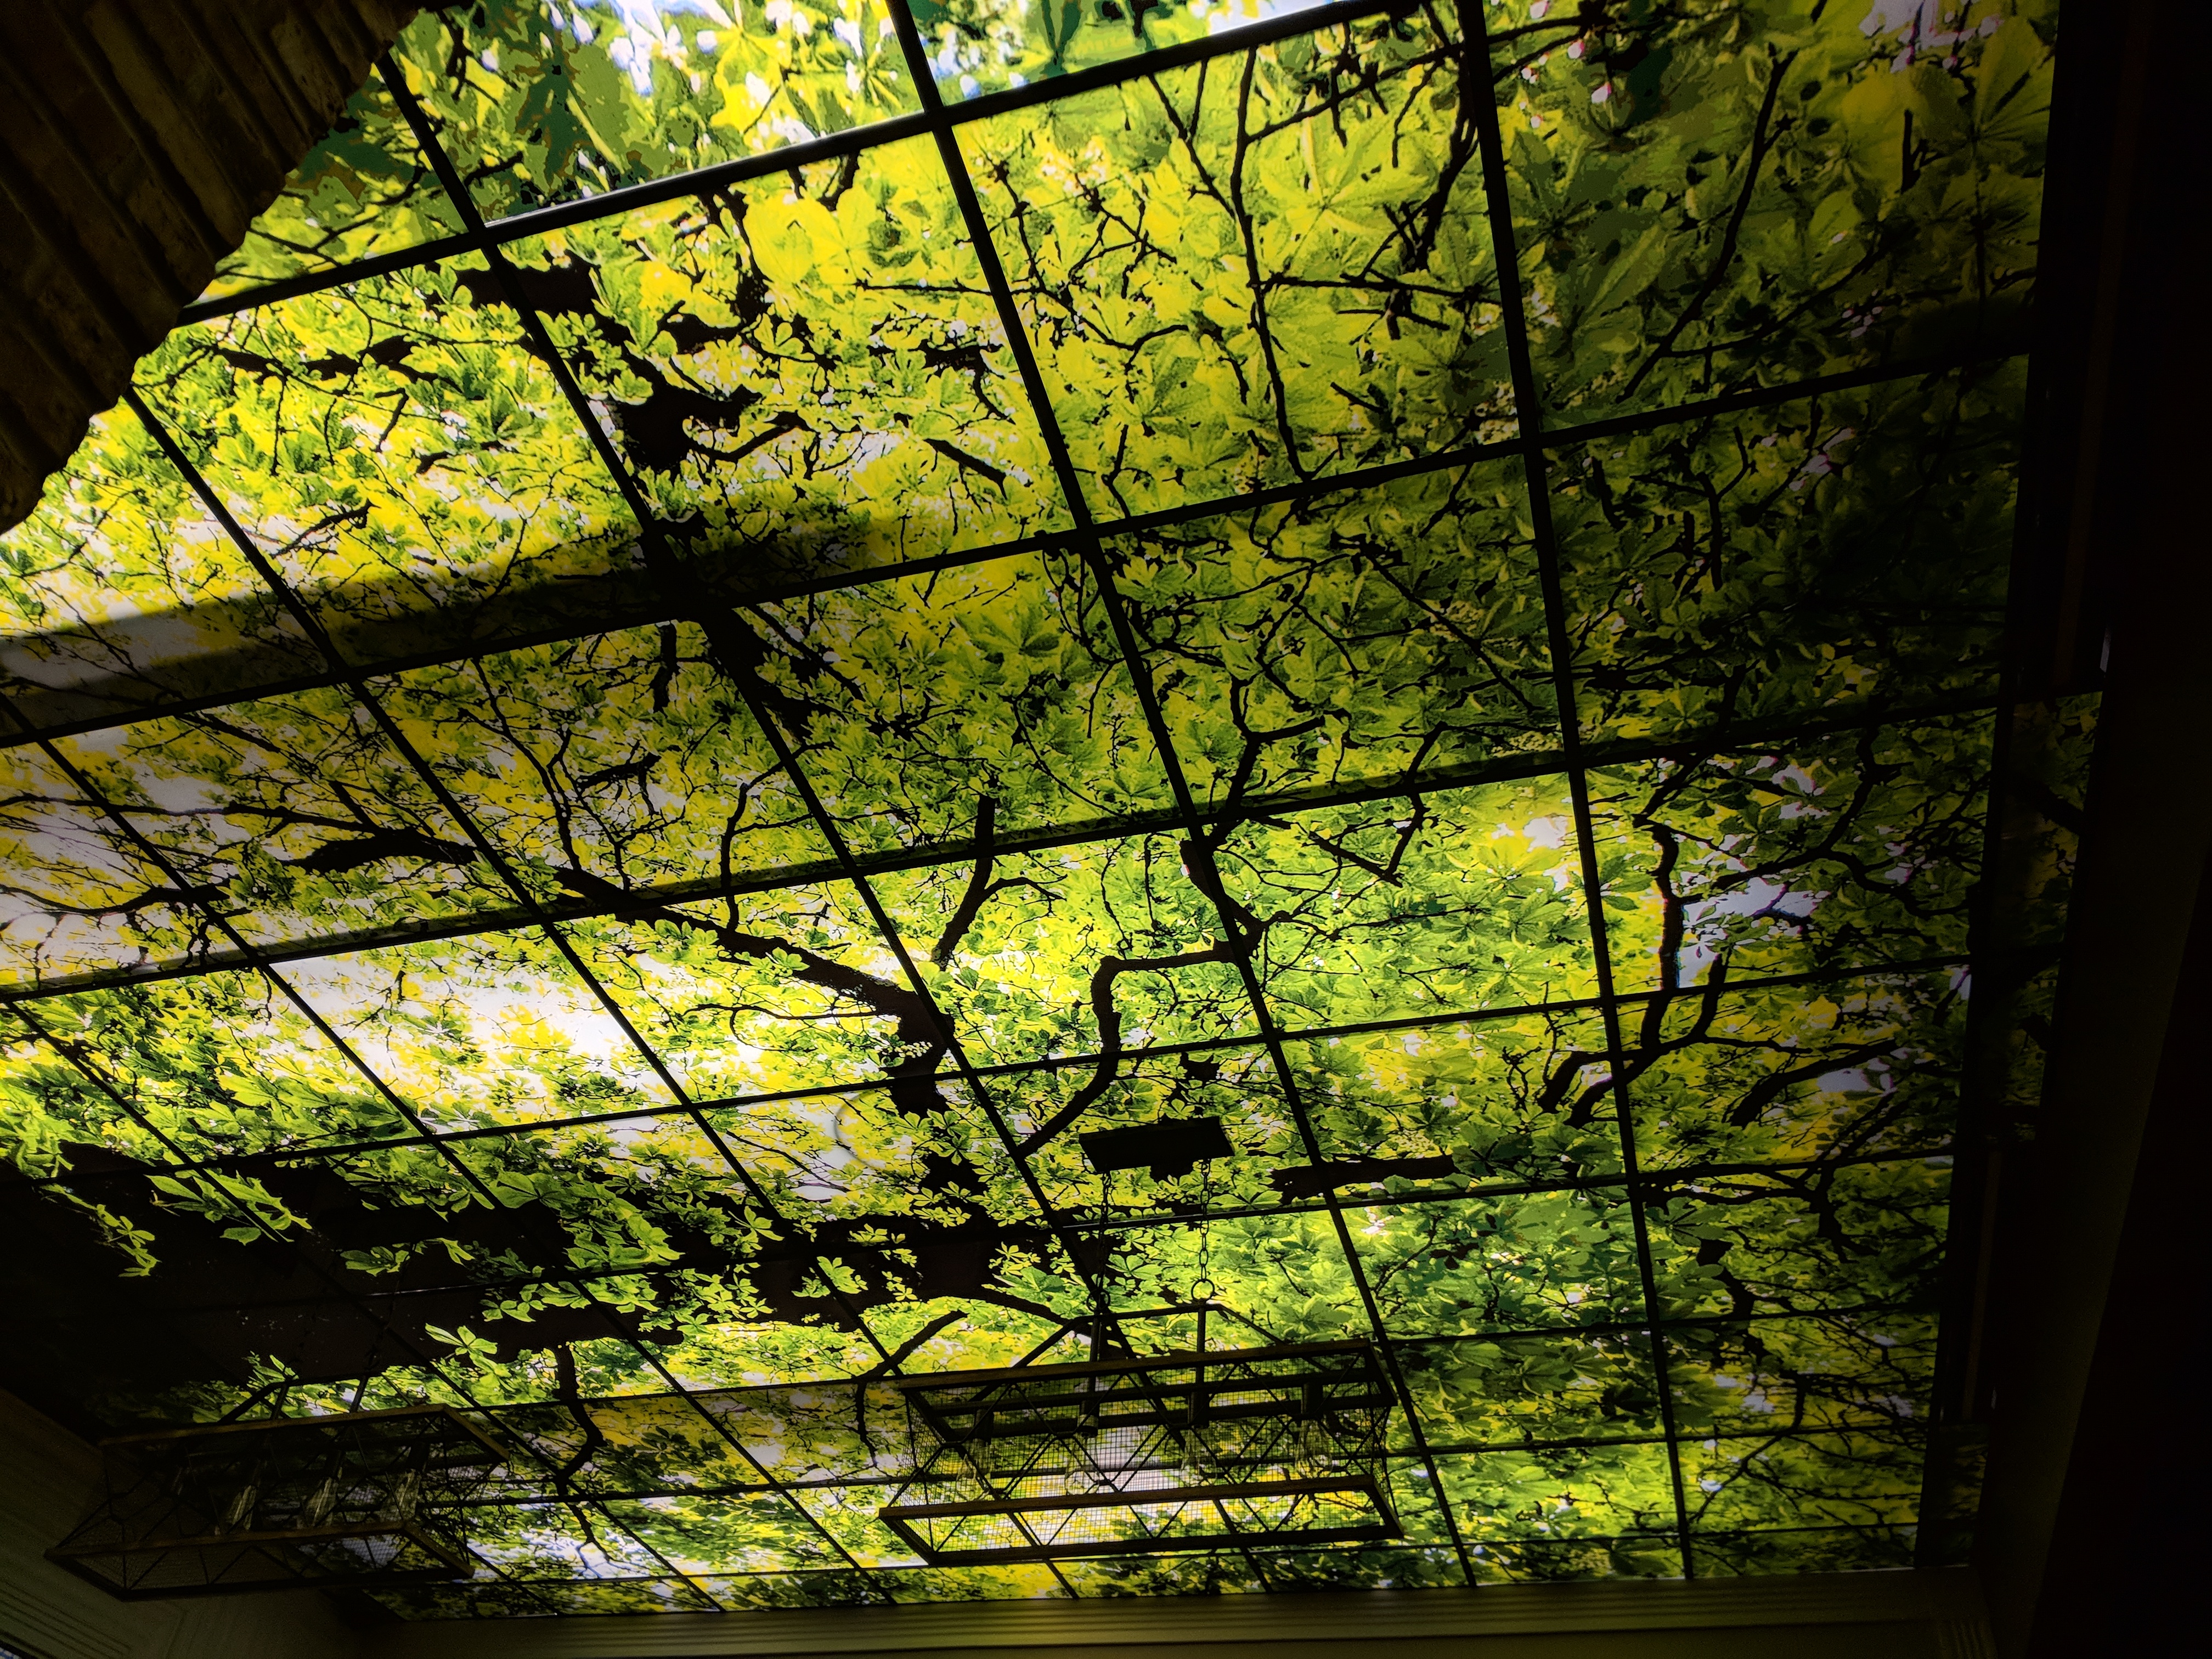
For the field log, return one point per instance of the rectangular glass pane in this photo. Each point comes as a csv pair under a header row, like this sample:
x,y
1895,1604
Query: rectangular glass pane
x,y
805,372
762,993
1077,951
1843,851
539,105
402,460
608,764
1873,1371
1416,905
253,1074
1831,1070
486,1030
1582,1508
1854,1478
365,190
77,894
122,590
915,701
1236,1086
291,817
1261,271
1758,193
1522,1099
1492,1393
1847,549
1519,1263
1832,1237
977,47
1345,639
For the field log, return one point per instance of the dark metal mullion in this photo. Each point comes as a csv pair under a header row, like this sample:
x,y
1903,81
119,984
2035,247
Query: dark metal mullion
x,y
1527,400
1272,1035
1401,1454
321,281
895,943
1017,343
1671,1177
1084,833
1356,479
790,157
542,344
159,858
648,528
311,625
330,1034
1067,1062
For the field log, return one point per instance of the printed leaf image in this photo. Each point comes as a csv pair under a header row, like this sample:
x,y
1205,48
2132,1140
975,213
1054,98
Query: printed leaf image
x,y
806,378
599,813
366,189
537,105
1712,198
1257,271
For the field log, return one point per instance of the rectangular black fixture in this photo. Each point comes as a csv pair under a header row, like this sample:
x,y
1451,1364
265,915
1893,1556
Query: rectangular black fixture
x,y
1170,1147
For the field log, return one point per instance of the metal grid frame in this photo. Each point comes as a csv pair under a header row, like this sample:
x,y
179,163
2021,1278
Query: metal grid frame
x,y
1536,448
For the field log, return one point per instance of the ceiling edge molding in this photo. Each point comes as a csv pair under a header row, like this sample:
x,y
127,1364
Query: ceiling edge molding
x,y
1948,1597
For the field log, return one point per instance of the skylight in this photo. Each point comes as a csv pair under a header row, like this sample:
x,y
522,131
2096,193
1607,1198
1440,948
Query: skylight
x,y
735,625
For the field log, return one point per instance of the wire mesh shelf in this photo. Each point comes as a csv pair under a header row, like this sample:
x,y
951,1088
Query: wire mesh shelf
x,y
1169,1452
363,1499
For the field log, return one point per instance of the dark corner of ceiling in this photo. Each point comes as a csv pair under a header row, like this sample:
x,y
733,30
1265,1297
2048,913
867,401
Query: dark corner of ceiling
x,y
2094,1317
138,139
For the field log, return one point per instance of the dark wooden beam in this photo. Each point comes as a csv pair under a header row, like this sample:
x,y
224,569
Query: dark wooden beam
x,y
138,139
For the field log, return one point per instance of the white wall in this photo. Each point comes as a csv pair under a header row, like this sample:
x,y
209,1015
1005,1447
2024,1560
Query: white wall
x,y
49,1481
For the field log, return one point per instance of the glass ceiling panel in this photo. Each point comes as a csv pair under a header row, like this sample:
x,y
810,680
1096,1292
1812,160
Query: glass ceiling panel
x,y
1259,271
288,817
912,701
1853,849
1746,195
1833,1239
365,190
804,370
400,459
1494,1391
1520,1263
1353,636
221,1065
1603,1511
1031,974
122,589
491,1029
1510,1100
789,989
977,47
1867,1370
1850,548
79,891
1237,1086
1498,918
538,103
608,764
873,823
1862,1478
1848,1068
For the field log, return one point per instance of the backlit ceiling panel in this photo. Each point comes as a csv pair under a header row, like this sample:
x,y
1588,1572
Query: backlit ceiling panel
x,y
735,623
